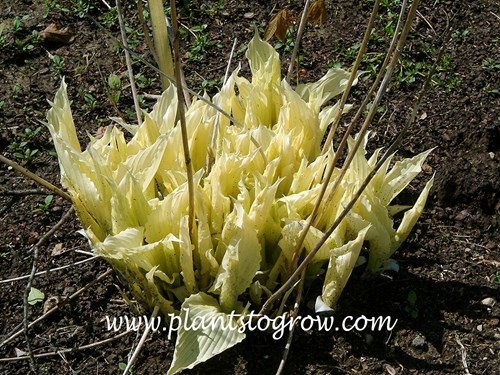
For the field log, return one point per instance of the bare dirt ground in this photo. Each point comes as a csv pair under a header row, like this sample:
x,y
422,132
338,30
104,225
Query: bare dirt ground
x,y
445,297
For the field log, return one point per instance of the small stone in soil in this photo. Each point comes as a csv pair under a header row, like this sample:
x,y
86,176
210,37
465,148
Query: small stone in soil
x,y
418,341
488,302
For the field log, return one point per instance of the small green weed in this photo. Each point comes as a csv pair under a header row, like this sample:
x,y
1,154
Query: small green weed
x,y
58,64
90,102
211,84
411,304
115,86
460,34
22,146
491,64
289,42
199,42
45,206
122,366
143,81
491,90
16,91
17,23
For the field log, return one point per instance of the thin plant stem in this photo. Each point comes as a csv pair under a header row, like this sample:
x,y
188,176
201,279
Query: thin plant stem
x,y
141,341
128,61
300,32
295,313
182,116
35,178
49,271
22,193
187,98
69,350
355,68
360,111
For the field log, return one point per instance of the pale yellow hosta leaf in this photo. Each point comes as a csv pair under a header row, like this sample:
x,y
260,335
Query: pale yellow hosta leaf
x,y
327,115
166,306
330,85
300,123
132,129
401,175
313,237
217,331
112,246
262,214
165,110
159,254
208,267
145,136
381,232
300,204
264,62
145,163
241,260
129,207
88,190
60,120
342,262
261,98
310,174
201,135
112,148
291,232
411,216
186,257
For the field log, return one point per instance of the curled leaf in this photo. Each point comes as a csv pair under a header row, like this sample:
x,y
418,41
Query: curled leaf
x,y
278,25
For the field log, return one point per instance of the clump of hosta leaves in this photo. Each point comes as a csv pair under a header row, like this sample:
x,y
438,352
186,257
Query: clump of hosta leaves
x,y
252,197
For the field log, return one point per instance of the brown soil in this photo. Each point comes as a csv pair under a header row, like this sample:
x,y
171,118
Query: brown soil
x,y
450,262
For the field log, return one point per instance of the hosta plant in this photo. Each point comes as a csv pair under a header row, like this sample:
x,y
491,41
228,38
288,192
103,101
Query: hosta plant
x,y
256,177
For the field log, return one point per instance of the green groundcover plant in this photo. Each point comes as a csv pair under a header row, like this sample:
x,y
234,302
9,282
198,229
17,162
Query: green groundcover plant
x,y
255,186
